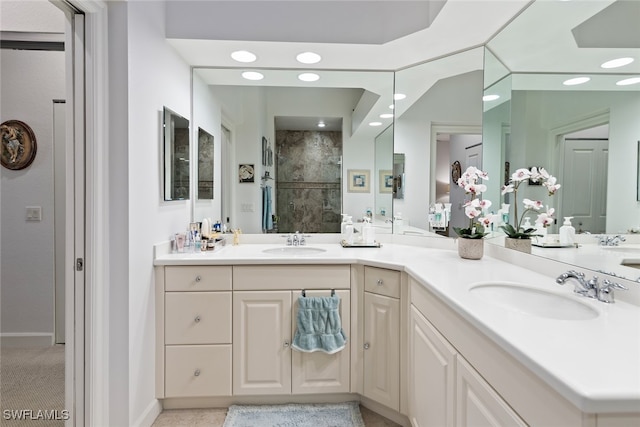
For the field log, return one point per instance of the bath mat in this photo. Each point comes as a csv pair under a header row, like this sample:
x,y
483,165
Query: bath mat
x,y
295,415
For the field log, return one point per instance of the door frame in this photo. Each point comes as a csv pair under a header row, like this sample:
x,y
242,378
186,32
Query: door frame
x,y
87,230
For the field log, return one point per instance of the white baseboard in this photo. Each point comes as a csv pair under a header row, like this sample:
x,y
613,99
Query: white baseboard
x,y
149,415
26,339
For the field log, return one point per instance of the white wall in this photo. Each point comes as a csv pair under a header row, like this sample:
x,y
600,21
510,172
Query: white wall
x,y
157,77
31,80
536,113
452,101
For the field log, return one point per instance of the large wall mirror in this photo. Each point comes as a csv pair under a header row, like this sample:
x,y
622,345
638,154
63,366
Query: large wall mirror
x,y
438,121
315,131
176,156
584,134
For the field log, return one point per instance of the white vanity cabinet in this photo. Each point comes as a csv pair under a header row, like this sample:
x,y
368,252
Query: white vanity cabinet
x,y
432,380
264,323
194,331
382,336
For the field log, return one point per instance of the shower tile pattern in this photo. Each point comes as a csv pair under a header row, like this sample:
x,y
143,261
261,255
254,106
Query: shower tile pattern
x,y
308,185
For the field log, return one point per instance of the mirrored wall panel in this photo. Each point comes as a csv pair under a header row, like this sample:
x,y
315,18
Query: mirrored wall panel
x,y
176,156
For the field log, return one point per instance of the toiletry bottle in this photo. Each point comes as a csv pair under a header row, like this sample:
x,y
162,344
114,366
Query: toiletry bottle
x,y
527,223
343,226
349,231
567,232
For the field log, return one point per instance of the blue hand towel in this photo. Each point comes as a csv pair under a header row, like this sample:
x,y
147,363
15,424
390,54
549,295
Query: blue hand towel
x,y
318,325
267,219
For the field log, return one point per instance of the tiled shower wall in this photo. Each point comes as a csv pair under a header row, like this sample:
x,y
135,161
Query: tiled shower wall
x,y
308,188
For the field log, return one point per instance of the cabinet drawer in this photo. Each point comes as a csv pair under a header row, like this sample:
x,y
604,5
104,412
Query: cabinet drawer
x,y
198,370
382,281
197,318
197,278
278,277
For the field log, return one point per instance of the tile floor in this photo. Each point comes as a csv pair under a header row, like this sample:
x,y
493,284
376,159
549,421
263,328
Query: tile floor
x,y
215,418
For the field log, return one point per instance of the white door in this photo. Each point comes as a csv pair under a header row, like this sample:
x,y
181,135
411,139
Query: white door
x,y
382,349
431,375
261,342
59,188
584,184
319,372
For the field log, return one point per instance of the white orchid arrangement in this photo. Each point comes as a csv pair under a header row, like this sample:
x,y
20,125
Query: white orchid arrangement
x,y
544,218
474,208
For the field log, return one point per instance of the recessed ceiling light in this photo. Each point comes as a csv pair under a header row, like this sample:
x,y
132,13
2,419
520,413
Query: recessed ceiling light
x,y
490,97
576,81
308,58
375,124
252,75
321,124
243,56
392,106
399,96
630,81
386,116
308,77
615,63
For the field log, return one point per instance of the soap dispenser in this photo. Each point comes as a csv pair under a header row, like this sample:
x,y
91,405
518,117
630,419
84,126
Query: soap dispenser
x,y
349,231
567,232
343,225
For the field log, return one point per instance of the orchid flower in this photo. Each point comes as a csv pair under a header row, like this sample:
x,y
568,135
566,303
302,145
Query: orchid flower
x,y
474,207
545,218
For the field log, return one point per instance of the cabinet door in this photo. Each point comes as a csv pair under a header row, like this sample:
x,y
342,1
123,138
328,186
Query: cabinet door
x,y
431,375
319,372
261,342
478,404
382,349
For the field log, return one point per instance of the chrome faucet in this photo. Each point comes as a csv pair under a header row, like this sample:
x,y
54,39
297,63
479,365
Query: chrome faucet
x,y
610,240
296,238
591,288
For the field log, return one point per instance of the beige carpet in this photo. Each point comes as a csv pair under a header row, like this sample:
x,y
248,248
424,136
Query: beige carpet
x,y
31,379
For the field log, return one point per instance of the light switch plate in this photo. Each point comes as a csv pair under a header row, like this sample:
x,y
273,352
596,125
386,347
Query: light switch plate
x,y
248,207
34,213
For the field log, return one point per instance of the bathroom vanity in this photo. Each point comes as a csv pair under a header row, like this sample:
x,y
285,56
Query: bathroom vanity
x,y
427,345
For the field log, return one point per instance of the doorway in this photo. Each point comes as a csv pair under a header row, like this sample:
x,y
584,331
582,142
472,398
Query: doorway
x,y
584,196
308,180
465,147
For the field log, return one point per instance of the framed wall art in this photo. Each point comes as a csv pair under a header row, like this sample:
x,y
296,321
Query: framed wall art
x,y
18,144
358,180
385,181
246,173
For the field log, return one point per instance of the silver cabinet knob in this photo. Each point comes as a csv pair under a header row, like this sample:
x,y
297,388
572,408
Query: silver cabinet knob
x,y
198,278
197,319
380,282
286,344
196,373
366,346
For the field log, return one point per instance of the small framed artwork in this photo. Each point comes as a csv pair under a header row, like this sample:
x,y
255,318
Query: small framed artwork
x,y
18,144
358,180
385,181
246,173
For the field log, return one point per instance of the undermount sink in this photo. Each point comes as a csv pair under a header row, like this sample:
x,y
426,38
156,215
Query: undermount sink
x,y
534,302
294,250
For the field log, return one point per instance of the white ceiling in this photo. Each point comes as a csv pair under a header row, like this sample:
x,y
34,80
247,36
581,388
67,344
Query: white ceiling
x,y
459,25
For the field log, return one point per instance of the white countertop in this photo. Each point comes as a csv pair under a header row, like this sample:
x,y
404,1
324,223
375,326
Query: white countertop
x,y
595,363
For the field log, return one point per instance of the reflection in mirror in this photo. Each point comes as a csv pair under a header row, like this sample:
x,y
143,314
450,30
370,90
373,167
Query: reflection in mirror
x,y
584,134
176,156
638,170
384,186
279,102
442,96
398,176
205,165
